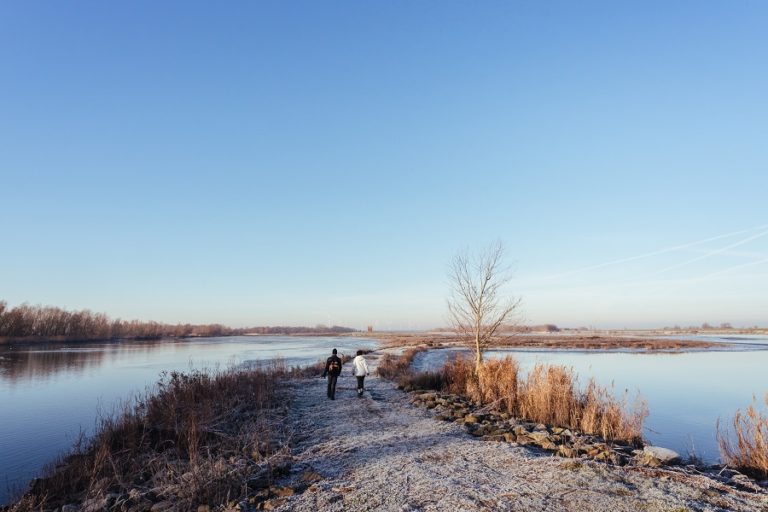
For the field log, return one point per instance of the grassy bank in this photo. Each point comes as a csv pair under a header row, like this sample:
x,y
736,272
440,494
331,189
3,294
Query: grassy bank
x,y
197,439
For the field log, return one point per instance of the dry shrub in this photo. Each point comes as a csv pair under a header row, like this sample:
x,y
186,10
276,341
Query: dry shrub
x,y
497,383
548,396
601,413
459,376
421,380
750,453
392,367
177,439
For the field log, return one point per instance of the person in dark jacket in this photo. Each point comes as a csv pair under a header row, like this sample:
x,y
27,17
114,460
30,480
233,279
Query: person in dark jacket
x,y
332,371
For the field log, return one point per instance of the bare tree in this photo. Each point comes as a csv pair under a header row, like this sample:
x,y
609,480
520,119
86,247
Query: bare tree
x,y
478,305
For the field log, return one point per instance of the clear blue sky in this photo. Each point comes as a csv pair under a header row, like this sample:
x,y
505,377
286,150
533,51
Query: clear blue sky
x,y
311,162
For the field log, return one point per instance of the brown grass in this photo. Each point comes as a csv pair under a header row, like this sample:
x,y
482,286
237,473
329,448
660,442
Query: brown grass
x,y
750,451
392,367
549,394
199,438
602,341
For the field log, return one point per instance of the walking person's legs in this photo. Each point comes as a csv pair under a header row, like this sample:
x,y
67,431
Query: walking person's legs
x,y
360,388
332,386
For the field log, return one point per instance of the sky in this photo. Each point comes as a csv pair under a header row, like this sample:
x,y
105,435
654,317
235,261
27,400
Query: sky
x,y
302,163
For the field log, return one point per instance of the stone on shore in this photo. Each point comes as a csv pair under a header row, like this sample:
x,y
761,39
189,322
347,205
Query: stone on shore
x,y
656,456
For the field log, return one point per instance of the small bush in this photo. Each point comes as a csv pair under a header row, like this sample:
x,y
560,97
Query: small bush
x,y
750,452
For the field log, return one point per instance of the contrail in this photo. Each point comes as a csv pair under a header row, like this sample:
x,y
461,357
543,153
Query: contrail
x,y
655,253
711,253
726,270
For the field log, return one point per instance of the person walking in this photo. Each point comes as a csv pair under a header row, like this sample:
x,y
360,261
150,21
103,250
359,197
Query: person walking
x,y
332,372
360,370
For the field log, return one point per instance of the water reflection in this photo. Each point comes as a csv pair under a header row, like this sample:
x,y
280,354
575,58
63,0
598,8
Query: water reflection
x,y
50,393
42,362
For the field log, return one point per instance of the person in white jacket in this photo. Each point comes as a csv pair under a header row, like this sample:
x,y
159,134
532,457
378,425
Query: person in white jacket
x,y
359,370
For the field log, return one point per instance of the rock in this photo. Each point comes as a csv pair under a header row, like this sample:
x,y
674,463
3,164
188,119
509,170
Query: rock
x,y
203,508
548,445
540,427
509,437
655,456
567,452
520,430
524,440
162,506
539,437
95,505
470,418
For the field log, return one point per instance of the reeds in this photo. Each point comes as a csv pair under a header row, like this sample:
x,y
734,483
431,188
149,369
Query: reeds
x,y
549,394
198,438
750,451
392,367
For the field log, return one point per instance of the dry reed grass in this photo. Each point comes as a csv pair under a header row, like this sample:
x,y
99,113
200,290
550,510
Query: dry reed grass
x,y
550,395
750,451
177,442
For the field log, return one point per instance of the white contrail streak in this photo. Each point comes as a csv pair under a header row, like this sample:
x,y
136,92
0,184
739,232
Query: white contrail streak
x,y
654,253
711,253
735,267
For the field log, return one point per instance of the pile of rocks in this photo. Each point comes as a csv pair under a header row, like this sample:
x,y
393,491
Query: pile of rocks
x,y
501,427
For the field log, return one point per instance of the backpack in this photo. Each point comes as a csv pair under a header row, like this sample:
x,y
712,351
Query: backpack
x,y
334,366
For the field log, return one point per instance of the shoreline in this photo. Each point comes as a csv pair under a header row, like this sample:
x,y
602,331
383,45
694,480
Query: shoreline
x,y
348,455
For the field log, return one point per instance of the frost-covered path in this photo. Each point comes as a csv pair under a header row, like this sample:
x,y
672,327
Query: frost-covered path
x,y
382,453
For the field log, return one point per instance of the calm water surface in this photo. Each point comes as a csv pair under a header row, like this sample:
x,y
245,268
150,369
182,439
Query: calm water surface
x,y
686,392
50,393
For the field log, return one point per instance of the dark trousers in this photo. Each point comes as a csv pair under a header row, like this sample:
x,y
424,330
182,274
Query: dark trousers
x,y
332,386
360,383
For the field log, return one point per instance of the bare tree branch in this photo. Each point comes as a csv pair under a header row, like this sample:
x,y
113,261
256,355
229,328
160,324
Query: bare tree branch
x,y
477,306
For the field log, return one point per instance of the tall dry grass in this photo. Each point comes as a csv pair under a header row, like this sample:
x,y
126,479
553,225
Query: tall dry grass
x,y
177,442
548,394
750,450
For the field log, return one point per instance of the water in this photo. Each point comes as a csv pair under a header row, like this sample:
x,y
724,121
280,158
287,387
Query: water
x,y
50,393
686,392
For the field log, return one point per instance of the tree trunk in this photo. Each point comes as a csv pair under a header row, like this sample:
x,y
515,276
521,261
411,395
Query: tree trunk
x,y
478,354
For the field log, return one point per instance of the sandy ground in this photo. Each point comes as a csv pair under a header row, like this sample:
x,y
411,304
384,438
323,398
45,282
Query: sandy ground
x,y
380,452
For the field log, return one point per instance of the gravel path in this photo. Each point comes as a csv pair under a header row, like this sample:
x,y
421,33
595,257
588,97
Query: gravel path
x,y
380,452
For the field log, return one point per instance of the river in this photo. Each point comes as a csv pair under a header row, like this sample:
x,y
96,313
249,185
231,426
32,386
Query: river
x,y
50,393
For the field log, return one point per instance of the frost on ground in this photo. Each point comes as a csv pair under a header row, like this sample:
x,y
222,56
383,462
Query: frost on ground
x,y
380,452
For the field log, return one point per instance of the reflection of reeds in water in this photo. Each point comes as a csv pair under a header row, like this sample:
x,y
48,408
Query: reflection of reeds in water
x,y
197,439
750,450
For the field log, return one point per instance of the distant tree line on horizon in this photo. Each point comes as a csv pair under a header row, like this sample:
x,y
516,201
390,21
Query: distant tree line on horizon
x,y
52,323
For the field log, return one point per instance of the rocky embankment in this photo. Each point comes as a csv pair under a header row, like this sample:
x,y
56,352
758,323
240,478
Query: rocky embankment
x,y
501,427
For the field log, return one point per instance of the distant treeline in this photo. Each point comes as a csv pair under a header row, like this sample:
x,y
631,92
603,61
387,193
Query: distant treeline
x,y
52,323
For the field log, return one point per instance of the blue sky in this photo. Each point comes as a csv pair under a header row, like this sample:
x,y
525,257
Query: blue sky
x,y
312,162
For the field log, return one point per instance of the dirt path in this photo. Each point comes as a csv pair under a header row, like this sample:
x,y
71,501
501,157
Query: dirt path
x,y
380,452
